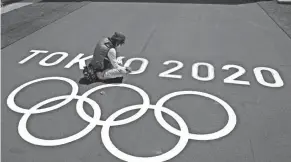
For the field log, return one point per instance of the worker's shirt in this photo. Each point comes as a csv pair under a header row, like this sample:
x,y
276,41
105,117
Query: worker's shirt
x,y
101,51
113,59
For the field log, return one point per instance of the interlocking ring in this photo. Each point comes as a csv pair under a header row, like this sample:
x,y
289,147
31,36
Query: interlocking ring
x,y
143,110
211,136
110,121
123,156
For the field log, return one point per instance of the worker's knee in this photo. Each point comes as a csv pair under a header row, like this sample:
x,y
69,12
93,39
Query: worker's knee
x,y
118,71
123,71
113,73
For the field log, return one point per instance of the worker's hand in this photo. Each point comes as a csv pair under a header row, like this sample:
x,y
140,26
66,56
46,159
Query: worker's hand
x,y
128,69
119,60
122,69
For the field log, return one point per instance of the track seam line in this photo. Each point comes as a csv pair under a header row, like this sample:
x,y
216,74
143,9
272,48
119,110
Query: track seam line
x,y
253,152
274,20
148,40
43,27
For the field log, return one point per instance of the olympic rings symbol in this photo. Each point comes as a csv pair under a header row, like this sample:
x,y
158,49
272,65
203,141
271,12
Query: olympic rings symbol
x,y
183,133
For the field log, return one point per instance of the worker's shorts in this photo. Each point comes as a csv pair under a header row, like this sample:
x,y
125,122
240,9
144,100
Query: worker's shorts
x,y
112,73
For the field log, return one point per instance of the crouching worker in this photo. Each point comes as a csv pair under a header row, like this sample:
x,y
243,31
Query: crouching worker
x,y
104,64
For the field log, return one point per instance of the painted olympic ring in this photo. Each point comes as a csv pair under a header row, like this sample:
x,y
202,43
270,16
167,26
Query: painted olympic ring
x,y
183,133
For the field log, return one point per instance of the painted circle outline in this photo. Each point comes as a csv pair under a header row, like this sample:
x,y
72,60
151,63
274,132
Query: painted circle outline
x,y
11,98
200,137
24,133
141,112
105,136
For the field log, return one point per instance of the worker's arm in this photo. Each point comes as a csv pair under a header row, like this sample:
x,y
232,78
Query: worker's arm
x,y
113,59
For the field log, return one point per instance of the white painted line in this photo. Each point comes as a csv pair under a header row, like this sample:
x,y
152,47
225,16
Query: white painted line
x,y
13,6
289,1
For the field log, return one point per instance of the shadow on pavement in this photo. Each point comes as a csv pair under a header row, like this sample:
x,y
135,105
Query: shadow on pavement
x,y
84,81
229,2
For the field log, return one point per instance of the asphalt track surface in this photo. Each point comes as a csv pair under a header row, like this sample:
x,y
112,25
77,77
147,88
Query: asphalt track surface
x,y
219,34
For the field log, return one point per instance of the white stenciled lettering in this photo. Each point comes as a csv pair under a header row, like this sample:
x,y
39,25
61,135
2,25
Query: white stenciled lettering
x,y
210,71
260,78
142,68
172,72
167,73
232,79
44,62
80,60
35,52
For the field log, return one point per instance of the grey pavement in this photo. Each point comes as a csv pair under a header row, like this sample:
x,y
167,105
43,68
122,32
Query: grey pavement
x,y
21,22
243,34
280,13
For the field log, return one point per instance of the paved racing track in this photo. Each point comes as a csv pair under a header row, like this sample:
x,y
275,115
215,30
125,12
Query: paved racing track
x,y
200,67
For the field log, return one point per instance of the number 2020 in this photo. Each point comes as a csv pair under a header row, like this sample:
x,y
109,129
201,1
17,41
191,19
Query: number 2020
x,y
231,79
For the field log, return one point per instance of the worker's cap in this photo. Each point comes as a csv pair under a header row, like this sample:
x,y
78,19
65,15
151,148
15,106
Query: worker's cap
x,y
119,37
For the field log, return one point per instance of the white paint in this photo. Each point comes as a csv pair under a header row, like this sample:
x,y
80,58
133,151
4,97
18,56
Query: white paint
x,y
11,98
80,60
110,121
144,108
22,128
43,62
142,68
23,132
130,158
260,78
210,71
231,79
16,5
285,1
211,136
13,6
166,74
35,52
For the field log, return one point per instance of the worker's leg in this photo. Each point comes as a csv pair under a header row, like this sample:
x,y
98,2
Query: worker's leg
x,y
111,73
